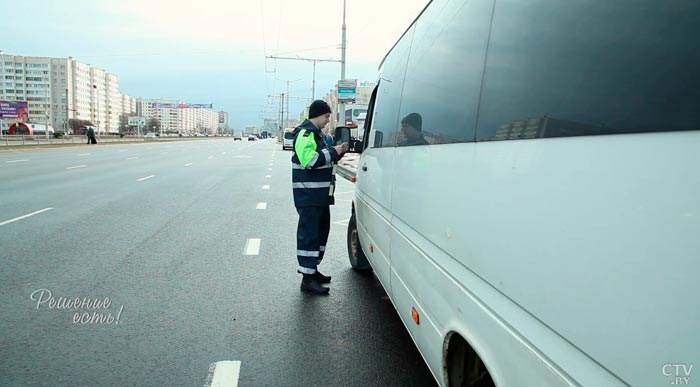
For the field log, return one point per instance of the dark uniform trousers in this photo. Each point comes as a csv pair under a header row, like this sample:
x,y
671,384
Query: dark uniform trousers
x,y
312,235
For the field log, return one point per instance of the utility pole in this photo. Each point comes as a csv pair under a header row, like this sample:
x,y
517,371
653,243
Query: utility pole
x,y
314,61
286,122
97,98
282,113
48,102
341,105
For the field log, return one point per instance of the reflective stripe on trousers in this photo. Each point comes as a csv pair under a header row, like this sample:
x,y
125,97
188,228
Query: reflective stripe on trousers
x,y
312,236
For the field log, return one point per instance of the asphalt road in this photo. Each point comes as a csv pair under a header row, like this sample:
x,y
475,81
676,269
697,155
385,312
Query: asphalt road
x,y
168,233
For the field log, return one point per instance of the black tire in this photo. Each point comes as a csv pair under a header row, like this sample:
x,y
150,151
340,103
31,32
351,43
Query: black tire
x,y
358,259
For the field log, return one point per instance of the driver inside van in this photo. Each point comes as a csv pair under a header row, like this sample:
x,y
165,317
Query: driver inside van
x,y
411,127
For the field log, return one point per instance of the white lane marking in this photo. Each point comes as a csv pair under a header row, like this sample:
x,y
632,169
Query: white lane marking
x,y
269,165
269,169
261,206
342,222
145,178
266,187
187,165
77,166
84,154
132,158
26,216
252,246
241,157
268,176
210,157
164,153
16,161
225,373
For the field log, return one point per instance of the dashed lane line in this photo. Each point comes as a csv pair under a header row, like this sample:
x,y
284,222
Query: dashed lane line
x,y
261,206
146,178
16,161
224,374
26,216
77,166
252,246
188,164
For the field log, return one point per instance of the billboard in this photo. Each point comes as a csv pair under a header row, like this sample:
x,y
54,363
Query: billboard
x,y
347,89
19,110
346,94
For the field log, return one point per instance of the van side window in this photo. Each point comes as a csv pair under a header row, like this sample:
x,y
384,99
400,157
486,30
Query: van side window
x,y
386,109
610,67
443,77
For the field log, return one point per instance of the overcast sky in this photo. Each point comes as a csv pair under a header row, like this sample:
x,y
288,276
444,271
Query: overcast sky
x,y
213,51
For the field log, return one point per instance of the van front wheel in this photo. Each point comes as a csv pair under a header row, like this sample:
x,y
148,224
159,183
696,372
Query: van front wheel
x,y
358,260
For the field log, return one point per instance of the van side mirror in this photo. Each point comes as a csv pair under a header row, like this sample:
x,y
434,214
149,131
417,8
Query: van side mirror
x,y
344,134
341,135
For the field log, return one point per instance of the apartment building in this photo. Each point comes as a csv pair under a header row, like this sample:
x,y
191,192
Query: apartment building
x,y
176,116
60,89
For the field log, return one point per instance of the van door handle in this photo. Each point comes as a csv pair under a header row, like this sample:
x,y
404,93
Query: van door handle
x,y
364,167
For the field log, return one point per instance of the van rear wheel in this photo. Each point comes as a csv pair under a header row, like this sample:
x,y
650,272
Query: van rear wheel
x,y
358,259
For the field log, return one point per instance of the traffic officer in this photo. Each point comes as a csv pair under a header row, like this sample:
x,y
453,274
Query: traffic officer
x,y
313,183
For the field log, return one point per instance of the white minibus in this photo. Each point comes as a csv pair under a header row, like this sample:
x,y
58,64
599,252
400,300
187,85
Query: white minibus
x,y
528,191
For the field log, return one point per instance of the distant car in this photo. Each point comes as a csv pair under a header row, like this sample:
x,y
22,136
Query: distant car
x,y
288,139
150,135
252,138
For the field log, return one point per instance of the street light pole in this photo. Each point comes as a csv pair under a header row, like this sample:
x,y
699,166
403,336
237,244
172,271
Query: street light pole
x,y
97,98
341,105
48,102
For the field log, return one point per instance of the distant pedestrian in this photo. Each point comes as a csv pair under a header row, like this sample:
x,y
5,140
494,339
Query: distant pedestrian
x,y
313,184
329,139
91,136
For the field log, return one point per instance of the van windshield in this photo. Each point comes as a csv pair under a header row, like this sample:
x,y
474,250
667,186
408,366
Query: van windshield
x,y
289,135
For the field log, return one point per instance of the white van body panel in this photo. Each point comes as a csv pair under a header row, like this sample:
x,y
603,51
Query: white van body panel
x,y
373,208
581,239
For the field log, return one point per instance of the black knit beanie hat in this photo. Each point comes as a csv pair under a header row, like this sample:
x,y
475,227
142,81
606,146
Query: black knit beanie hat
x,y
318,108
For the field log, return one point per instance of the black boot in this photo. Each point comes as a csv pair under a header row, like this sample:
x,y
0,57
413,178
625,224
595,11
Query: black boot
x,y
322,279
310,284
